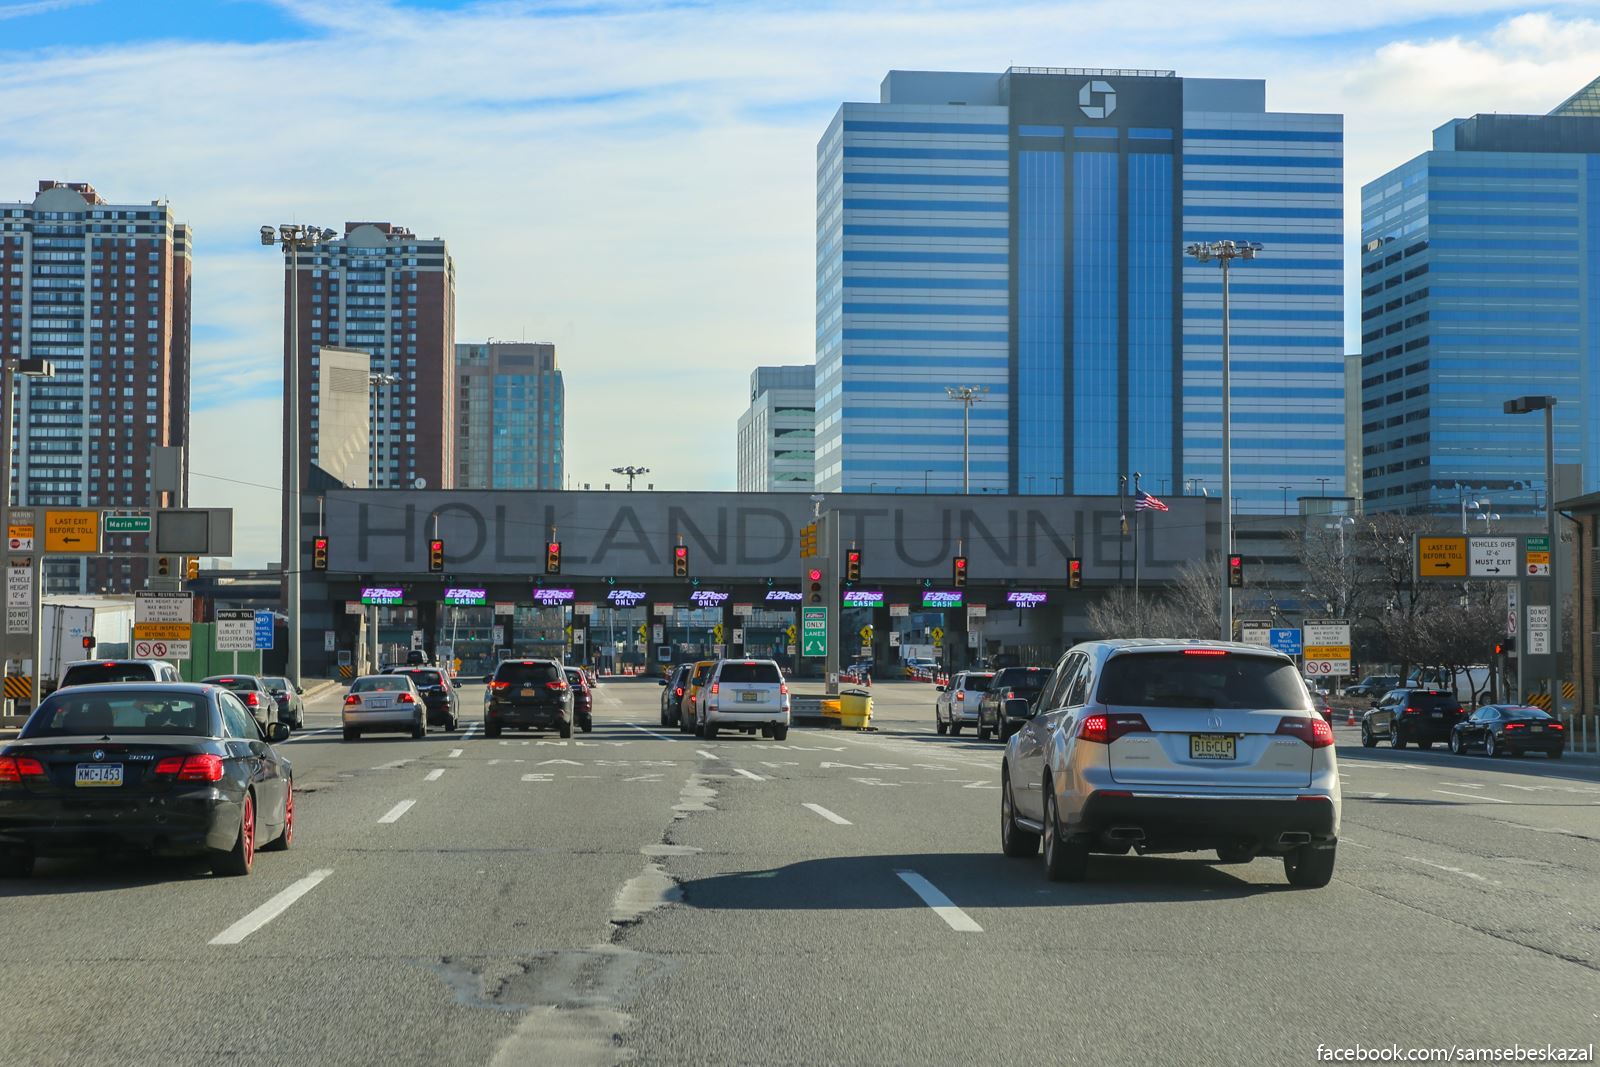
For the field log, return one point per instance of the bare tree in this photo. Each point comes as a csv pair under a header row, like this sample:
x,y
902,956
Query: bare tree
x,y
1118,614
1187,609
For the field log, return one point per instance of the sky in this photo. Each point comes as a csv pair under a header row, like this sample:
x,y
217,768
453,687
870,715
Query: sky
x,y
630,179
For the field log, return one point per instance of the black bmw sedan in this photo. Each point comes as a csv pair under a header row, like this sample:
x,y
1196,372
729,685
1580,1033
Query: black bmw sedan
x,y
168,769
1502,728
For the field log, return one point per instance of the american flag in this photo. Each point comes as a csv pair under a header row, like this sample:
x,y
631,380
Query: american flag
x,y
1143,501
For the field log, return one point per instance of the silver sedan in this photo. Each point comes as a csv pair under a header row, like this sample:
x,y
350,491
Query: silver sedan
x,y
380,703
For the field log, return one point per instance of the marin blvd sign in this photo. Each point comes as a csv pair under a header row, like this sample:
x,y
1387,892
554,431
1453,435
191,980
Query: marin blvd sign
x,y
751,535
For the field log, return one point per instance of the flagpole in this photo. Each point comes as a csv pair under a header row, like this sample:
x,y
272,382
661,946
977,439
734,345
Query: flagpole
x,y
1137,477
1122,530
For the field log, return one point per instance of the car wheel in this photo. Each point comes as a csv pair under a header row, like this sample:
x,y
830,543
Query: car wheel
x,y
1014,840
419,729
1455,742
1367,740
1064,861
955,728
780,733
709,731
940,727
351,735
566,728
588,724
491,730
1425,745
1395,740
1235,854
282,842
455,723
239,859
16,864
1554,753
1309,867
983,731
1490,748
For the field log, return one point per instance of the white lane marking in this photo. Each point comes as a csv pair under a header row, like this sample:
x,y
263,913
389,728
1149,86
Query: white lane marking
x,y
747,774
1347,841
652,733
942,905
1474,796
826,814
305,735
1452,870
434,775
456,752
392,764
270,910
707,755
394,813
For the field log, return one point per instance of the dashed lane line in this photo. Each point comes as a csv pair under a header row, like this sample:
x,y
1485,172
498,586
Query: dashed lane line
x,y
270,910
455,753
1473,796
652,733
826,814
393,764
747,774
394,813
434,775
942,905
707,755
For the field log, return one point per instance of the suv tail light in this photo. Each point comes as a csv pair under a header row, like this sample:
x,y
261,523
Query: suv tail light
x,y
351,699
715,687
1011,694
558,686
1104,729
499,685
783,689
16,768
1554,726
201,767
1314,731
678,691
1413,710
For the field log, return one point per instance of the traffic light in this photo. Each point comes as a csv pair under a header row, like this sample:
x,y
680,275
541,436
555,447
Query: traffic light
x,y
814,590
959,575
163,566
1235,572
88,641
680,561
852,565
552,557
436,555
1506,647
319,553
1074,573
191,568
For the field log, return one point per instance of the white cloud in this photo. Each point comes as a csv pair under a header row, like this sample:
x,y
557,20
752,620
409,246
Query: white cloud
x,y
635,184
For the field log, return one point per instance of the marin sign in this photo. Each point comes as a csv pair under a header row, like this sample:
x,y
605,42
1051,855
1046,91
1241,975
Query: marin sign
x,y
552,597
863,598
626,598
706,598
379,594
943,598
466,597
1027,600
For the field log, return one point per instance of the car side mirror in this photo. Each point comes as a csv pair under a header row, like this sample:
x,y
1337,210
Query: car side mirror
x,y
940,688
1017,708
661,681
278,732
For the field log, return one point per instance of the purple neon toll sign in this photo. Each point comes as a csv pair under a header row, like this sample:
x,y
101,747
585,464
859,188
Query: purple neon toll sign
x,y
1027,600
552,597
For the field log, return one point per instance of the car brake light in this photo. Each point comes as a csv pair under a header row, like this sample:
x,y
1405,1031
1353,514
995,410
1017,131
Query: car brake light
x,y
253,699
499,685
960,695
555,685
201,768
1205,652
1554,726
405,698
1412,710
1515,726
715,686
783,688
1104,729
678,691
16,768
350,699
1313,731
169,765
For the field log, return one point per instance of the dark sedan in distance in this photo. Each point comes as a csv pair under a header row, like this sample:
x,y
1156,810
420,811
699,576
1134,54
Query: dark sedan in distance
x,y
170,769
1513,728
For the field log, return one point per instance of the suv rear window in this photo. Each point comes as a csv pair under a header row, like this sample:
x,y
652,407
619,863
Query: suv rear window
x,y
525,673
99,673
747,673
380,683
1433,700
977,682
1022,679
1201,678
422,677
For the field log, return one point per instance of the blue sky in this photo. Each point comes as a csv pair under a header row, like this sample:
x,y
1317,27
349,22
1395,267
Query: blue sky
x,y
631,180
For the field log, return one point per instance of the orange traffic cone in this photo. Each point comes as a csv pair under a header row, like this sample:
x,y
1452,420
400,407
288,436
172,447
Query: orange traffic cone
x,y
1350,719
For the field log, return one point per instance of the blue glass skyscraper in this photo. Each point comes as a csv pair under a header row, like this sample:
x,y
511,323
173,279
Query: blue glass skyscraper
x,y
1480,281
1024,232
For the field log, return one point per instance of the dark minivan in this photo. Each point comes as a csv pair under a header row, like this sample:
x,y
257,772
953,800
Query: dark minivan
x,y
528,694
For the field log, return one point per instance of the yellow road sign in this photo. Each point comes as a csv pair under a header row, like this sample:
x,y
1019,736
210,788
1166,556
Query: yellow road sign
x,y
161,631
1442,557
72,531
938,637
866,633
790,631
716,631
1327,652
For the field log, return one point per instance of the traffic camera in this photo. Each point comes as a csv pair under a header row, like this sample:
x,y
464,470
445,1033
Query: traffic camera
x,y
436,555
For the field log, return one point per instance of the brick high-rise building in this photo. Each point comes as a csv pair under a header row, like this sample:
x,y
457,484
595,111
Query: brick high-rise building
x,y
382,290
100,290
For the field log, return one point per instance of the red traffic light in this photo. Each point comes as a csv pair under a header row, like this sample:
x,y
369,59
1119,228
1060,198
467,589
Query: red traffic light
x,y
1074,573
1236,572
319,553
436,555
852,565
680,561
959,575
814,574
552,557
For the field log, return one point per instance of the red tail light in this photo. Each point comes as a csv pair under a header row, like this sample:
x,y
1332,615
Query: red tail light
x,y
555,685
1313,731
1011,694
499,685
961,695
1205,652
405,698
351,699
714,687
678,691
1104,729
252,699
1554,726
783,689
16,768
1413,711
196,768
1516,726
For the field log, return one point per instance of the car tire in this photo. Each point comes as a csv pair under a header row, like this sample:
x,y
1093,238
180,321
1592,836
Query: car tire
x,y
1014,840
419,729
780,733
1395,740
709,731
588,724
455,723
1554,753
955,728
1456,746
351,735
983,732
285,839
16,863
1064,861
1425,745
491,730
1367,740
1490,748
940,727
238,860
566,729
1235,854
1308,867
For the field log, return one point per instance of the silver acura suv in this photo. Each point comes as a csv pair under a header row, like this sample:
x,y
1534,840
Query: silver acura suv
x,y
1173,746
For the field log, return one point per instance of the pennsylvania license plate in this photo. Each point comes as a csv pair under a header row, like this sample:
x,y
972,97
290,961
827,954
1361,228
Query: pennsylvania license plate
x,y
1211,746
99,774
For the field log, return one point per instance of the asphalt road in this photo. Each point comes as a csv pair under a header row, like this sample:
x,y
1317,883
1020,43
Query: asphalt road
x,y
637,895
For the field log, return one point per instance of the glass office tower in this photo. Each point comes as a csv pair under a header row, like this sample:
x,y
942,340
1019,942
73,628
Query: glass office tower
x,y
1480,281
1023,232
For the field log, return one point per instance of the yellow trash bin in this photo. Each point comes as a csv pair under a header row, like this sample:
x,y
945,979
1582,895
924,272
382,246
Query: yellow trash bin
x,y
855,709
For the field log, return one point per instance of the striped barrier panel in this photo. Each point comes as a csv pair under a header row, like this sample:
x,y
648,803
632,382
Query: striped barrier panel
x,y
17,686
346,670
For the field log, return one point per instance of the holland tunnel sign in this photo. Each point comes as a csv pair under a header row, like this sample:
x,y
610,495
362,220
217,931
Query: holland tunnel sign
x,y
750,535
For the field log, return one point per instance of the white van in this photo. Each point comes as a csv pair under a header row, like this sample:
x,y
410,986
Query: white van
x,y
744,694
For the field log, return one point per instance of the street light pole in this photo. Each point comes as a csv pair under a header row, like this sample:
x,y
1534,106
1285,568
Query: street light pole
x,y
1522,405
630,472
1225,252
293,237
967,395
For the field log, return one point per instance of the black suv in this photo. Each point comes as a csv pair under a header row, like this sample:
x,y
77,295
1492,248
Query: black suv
x,y
998,714
1412,716
438,694
529,694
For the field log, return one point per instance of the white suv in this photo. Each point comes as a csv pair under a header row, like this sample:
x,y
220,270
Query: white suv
x,y
1173,746
744,694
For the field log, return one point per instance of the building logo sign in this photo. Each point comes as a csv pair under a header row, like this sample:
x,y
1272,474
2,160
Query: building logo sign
x,y
626,598
706,598
1097,99
552,598
782,596
1027,600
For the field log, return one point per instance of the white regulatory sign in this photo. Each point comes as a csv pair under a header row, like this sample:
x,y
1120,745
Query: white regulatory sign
x,y
1492,557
